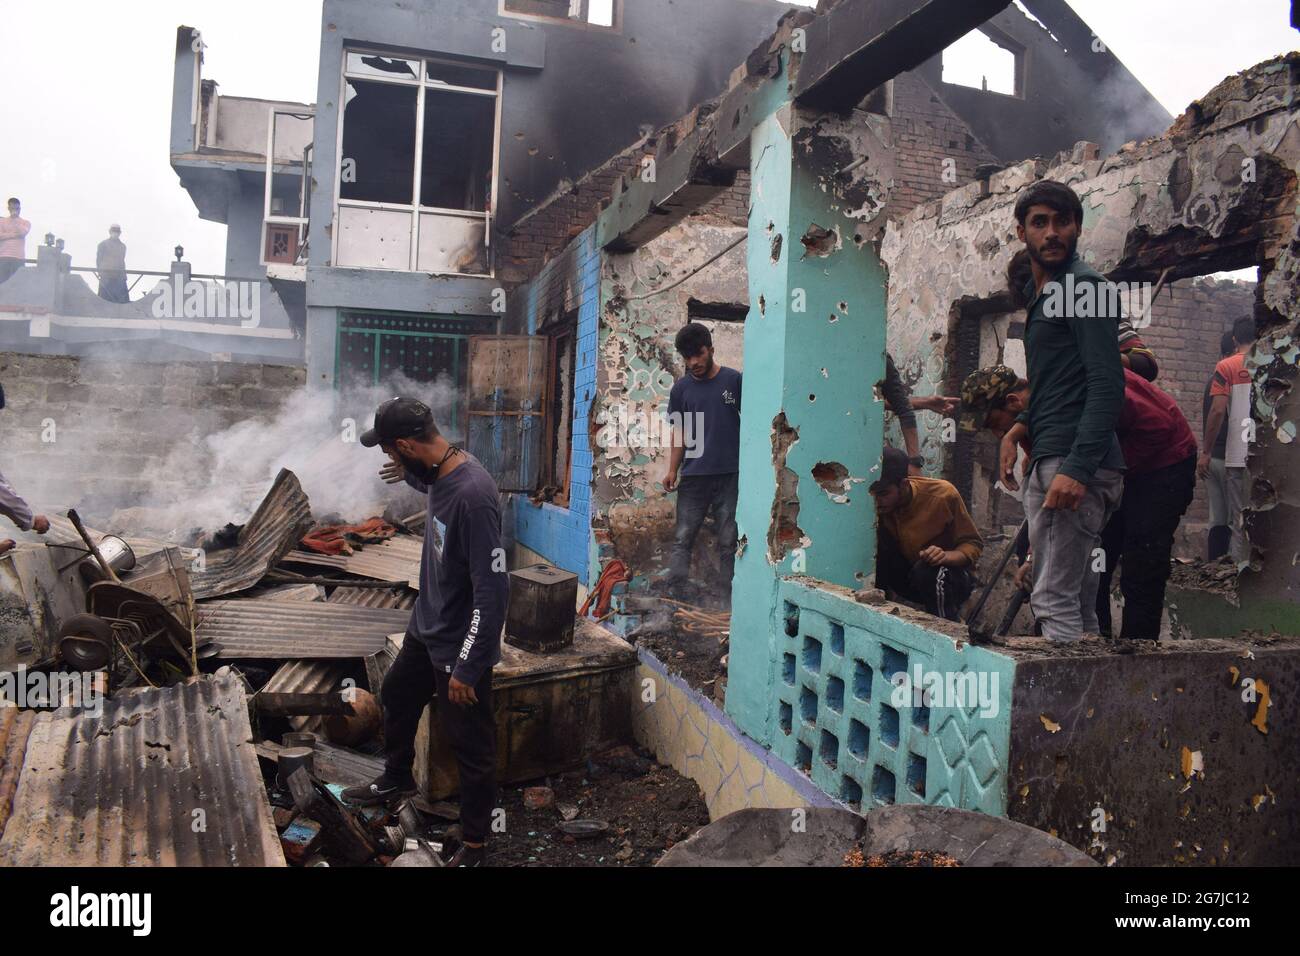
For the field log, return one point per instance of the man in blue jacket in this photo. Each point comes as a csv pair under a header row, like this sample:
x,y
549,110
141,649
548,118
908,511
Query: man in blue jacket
x,y
454,638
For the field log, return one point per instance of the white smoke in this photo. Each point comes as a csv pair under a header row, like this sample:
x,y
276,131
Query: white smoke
x,y
208,480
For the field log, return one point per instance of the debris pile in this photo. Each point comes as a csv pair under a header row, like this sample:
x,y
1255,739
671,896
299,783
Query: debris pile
x,y
260,659
691,640
278,630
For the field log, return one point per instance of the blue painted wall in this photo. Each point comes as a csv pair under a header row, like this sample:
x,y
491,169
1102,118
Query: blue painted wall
x,y
563,535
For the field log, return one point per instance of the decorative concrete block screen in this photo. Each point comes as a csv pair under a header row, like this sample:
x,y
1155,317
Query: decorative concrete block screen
x,y
843,718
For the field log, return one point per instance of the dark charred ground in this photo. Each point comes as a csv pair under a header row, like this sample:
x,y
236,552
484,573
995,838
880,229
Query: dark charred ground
x,y
695,658
648,807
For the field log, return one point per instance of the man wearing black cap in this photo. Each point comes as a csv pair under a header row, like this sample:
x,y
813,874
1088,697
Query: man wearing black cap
x,y
928,542
454,637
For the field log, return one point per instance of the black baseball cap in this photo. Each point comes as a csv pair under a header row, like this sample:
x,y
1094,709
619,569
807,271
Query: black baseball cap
x,y
893,469
399,418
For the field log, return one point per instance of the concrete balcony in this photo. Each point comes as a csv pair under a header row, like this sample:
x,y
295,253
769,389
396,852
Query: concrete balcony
x,y
52,307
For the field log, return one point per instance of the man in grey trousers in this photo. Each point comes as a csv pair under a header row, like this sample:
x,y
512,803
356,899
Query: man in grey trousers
x,y
1075,477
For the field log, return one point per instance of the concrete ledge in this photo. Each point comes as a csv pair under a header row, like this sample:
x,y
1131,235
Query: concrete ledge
x,y
689,733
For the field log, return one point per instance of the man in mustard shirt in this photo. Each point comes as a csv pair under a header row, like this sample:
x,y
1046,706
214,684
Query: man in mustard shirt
x,y
928,543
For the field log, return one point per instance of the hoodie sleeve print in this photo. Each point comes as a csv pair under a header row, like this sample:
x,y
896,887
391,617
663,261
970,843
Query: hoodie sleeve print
x,y
491,581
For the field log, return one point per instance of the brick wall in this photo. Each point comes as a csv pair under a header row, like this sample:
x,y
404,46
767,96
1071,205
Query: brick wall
x,y
89,433
927,132
732,204
1187,321
546,231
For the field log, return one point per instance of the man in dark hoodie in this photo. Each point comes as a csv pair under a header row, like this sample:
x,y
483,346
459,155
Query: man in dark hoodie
x,y
454,638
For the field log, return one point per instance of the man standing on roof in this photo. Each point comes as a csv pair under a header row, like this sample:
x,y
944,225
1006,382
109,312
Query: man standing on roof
x,y
13,240
454,638
110,263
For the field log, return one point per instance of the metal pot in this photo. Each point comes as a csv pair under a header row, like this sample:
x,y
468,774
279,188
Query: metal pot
x,y
117,554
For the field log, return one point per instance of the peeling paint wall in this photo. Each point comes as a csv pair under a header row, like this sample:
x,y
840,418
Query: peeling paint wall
x,y
647,296
815,342
1217,192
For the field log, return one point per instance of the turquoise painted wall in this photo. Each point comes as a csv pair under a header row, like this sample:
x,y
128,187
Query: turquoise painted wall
x,y
816,344
943,737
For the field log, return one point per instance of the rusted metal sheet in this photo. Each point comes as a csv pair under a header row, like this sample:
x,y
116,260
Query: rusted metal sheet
x,y
374,597
15,728
296,630
280,520
306,677
395,560
163,777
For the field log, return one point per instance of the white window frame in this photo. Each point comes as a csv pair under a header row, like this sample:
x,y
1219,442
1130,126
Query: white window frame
x,y
578,13
423,84
300,220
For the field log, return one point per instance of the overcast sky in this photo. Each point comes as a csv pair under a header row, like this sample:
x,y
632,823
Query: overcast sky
x,y
87,86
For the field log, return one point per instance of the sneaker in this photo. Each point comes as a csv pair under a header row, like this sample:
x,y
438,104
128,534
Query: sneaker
x,y
382,789
469,856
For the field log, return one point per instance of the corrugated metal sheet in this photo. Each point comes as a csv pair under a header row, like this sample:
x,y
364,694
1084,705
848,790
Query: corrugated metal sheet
x,y
280,520
402,600
306,677
296,630
129,788
15,727
336,764
396,560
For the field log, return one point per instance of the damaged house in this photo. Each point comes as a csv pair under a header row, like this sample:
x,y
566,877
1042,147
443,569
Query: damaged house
x,y
462,207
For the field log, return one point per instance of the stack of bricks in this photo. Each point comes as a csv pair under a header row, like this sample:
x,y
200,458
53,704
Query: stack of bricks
x,y
80,427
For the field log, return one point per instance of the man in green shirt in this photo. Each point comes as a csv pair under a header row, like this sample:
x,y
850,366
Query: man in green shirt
x,y
1075,477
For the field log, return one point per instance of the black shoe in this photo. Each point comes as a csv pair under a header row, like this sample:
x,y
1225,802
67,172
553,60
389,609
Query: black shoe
x,y
381,790
469,856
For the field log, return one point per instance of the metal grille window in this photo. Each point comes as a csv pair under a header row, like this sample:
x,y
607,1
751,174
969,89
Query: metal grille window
x,y
424,348
418,174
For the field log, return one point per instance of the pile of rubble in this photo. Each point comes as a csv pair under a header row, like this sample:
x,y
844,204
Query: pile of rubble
x,y
192,665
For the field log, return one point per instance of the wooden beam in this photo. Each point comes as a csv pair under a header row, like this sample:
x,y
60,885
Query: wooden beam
x,y
860,44
848,52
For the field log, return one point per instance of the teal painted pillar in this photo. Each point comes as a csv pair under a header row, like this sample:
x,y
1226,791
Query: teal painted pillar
x,y
811,428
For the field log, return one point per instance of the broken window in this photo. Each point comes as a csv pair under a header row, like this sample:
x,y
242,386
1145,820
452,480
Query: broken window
x,y
596,13
726,323
417,174
980,61
563,336
286,181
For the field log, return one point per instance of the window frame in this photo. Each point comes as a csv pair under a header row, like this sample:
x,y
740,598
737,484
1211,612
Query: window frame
x,y
576,23
300,221
561,332
423,85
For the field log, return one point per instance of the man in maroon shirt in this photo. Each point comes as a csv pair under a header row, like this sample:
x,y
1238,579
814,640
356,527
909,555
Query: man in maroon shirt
x,y
1160,478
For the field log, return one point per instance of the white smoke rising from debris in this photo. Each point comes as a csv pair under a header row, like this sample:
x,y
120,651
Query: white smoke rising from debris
x,y
211,479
